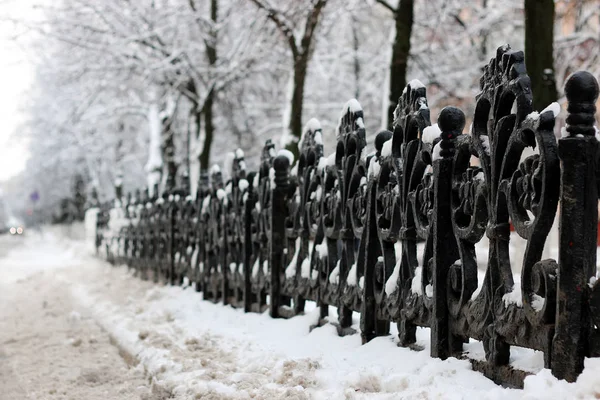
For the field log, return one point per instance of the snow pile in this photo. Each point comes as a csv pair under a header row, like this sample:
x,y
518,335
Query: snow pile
x,y
429,290
334,277
485,143
534,116
352,106
330,161
321,249
312,126
392,283
374,168
317,194
195,349
414,84
305,268
415,284
513,297
243,184
288,154
290,271
537,302
431,133
352,276
554,107
240,356
436,152
321,165
386,150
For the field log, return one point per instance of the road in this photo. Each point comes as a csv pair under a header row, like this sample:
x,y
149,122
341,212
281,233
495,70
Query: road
x,y
50,347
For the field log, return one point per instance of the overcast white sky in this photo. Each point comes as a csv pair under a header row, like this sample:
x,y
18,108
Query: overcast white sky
x,y
16,75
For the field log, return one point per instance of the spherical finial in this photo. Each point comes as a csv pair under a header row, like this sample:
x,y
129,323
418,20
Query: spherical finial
x,y
250,178
281,163
288,154
381,138
582,87
581,90
451,122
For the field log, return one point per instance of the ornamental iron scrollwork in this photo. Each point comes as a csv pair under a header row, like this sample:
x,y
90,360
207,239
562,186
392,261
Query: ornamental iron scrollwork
x,y
396,234
507,187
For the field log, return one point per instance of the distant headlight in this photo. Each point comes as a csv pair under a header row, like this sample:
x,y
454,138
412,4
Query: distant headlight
x,y
13,230
20,230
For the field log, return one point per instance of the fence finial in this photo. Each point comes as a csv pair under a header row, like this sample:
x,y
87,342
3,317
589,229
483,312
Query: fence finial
x,y
281,165
451,122
581,90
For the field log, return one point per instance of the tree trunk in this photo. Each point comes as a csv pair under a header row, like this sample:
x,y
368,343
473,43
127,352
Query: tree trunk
x,y
208,132
193,156
355,47
301,53
400,53
168,149
188,145
211,53
484,36
295,126
155,157
539,58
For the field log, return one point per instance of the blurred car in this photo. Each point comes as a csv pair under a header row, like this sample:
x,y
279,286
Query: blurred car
x,y
16,230
15,227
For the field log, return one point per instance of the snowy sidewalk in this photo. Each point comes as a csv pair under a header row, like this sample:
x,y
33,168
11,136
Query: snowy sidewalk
x,y
191,349
51,347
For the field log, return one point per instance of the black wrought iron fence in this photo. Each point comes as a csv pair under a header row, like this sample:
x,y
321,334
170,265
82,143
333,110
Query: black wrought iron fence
x,y
392,234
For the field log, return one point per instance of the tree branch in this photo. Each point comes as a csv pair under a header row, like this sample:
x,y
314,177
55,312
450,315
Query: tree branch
x,y
281,24
387,5
464,26
311,22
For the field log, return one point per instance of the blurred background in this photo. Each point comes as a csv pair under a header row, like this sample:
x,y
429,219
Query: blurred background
x,y
97,91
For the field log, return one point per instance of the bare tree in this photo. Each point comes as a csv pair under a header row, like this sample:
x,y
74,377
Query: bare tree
x,y
211,54
301,47
403,17
539,51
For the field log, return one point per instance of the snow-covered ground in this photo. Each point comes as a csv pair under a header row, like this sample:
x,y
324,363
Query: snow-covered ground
x,y
166,342
50,346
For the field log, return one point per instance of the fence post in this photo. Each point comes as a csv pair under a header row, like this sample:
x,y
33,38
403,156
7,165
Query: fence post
x,y
281,165
445,250
578,227
248,245
172,212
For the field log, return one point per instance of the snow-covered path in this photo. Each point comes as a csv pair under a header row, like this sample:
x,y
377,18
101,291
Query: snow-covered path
x,y
50,346
78,328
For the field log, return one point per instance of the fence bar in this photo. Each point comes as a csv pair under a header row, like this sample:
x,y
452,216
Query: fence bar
x,y
445,249
578,228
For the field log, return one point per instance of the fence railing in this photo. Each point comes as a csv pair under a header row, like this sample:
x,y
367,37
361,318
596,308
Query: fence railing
x,y
392,234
